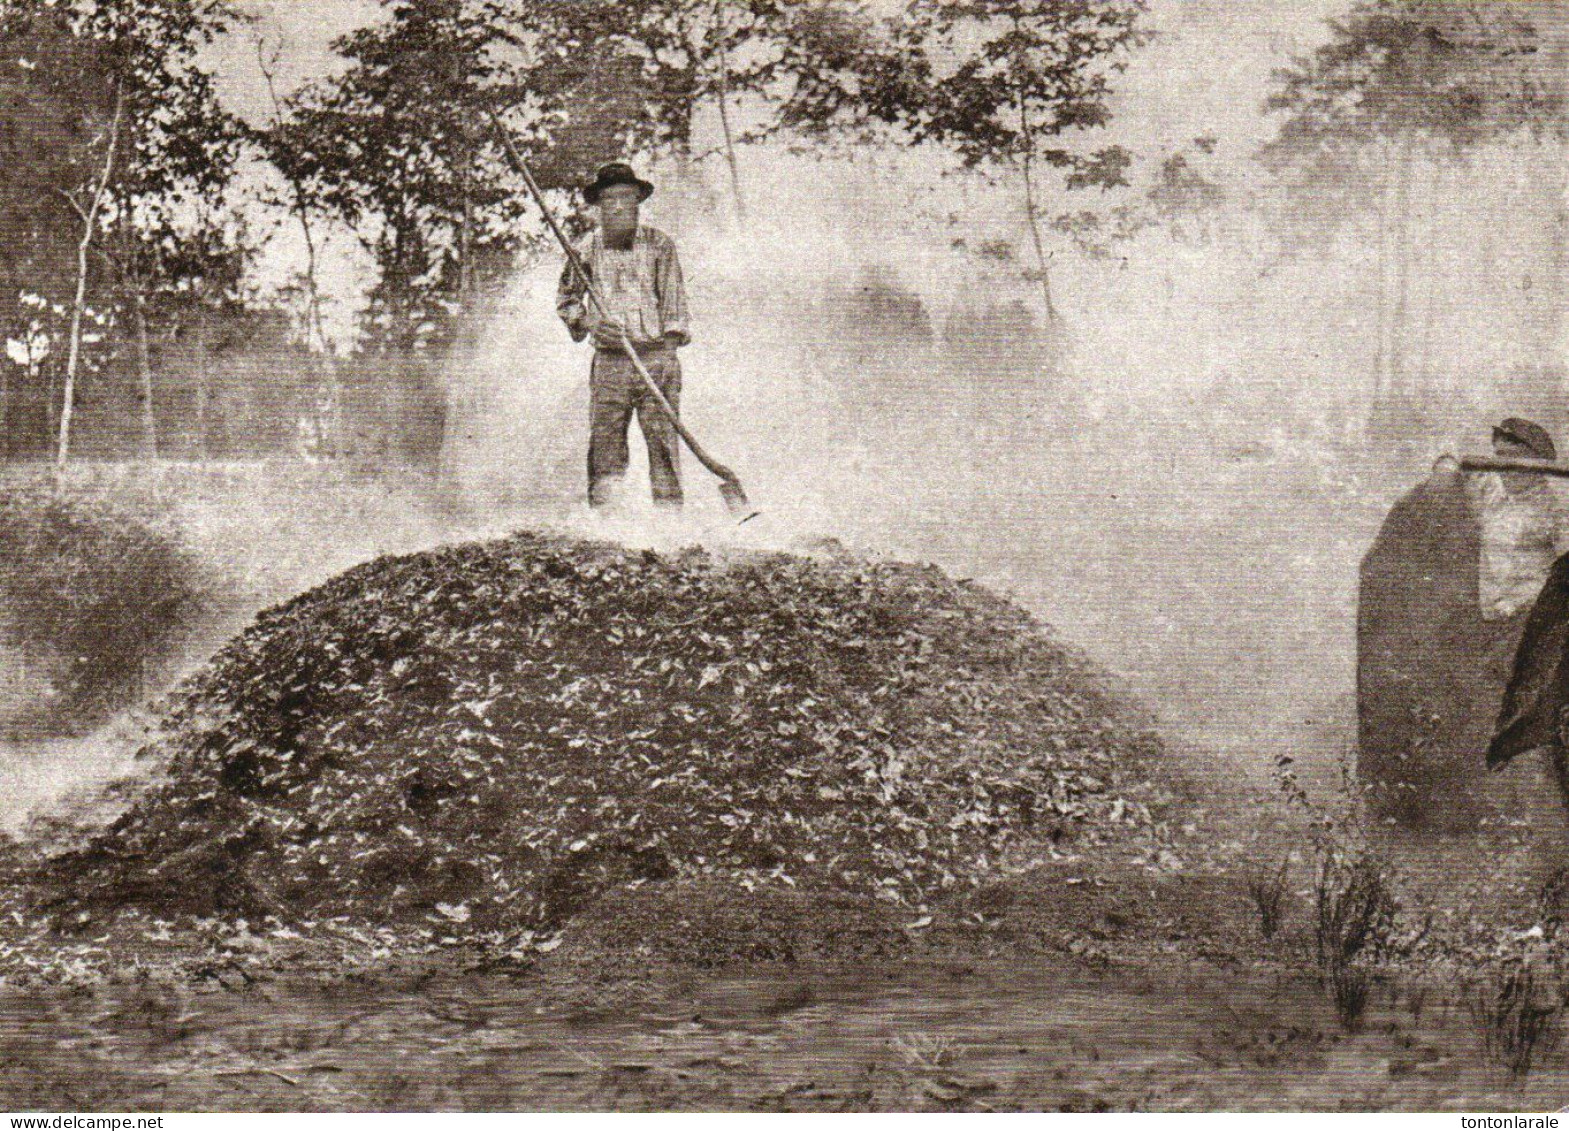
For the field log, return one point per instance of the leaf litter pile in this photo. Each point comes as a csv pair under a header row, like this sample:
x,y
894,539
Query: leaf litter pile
x,y
494,734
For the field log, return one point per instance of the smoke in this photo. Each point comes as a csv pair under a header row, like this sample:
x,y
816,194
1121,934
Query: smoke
x,y
1182,483
877,386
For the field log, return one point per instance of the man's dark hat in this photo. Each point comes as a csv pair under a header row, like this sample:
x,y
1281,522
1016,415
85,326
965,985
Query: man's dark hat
x,y
616,173
1529,433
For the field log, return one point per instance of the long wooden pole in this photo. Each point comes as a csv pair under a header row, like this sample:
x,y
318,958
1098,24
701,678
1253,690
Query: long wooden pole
x,y
730,487
1495,463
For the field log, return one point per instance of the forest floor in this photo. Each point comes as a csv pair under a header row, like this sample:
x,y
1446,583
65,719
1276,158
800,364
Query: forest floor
x,y
1086,985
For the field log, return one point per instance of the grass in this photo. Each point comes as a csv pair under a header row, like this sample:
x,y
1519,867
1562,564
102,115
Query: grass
x,y
1519,1014
1267,890
1356,913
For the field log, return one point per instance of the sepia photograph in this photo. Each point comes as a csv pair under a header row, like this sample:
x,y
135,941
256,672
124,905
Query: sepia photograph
x,y
803,556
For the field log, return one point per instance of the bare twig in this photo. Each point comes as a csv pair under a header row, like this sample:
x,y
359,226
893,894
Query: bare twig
x,y
259,1070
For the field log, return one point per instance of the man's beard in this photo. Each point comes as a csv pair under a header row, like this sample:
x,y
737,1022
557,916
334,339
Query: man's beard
x,y
619,232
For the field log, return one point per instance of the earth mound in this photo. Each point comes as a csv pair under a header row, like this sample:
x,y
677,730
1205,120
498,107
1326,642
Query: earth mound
x,y
496,734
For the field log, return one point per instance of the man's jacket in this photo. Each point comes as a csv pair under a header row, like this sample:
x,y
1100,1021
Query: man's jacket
x,y
1539,685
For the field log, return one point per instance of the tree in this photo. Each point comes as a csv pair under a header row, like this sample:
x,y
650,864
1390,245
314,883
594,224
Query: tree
x,y
55,110
400,148
116,113
697,53
1025,75
89,205
1008,85
1403,90
305,206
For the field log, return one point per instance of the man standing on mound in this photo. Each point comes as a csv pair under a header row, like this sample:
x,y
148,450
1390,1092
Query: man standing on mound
x,y
636,271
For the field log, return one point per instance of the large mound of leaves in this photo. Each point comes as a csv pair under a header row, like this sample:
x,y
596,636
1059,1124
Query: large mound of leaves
x,y
93,597
497,733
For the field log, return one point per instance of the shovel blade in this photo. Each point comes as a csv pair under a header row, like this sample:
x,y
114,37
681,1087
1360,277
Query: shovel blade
x,y
735,498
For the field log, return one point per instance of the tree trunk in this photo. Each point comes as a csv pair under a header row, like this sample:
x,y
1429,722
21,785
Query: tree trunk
x,y
144,368
1032,213
1043,264
5,409
316,334
1381,302
315,330
1554,291
1563,263
465,237
201,385
1436,184
52,407
1400,329
79,305
724,110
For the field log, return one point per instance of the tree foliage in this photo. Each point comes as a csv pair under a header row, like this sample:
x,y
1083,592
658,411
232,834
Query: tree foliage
x,y
1440,75
107,103
1009,87
1402,94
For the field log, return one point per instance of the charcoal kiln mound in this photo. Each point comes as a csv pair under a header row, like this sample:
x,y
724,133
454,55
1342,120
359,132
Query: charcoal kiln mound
x,y
494,735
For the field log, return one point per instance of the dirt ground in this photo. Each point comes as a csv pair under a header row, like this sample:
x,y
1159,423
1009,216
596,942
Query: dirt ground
x,y
1056,1033
1080,987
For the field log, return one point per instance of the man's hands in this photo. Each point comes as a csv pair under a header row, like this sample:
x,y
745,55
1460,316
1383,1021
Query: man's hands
x,y
610,332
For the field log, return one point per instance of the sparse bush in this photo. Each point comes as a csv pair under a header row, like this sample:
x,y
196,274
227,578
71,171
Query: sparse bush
x,y
91,596
1519,1012
1349,988
1355,919
1552,900
1267,890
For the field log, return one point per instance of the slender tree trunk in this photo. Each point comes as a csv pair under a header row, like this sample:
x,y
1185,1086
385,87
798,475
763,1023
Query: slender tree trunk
x,y
1553,292
315,330
1043,264
1401,316
145,371
74,354
5,408
1032,213
1563,264
79,304
202,389
1436,183
52,406
465,239
724,109
1381,303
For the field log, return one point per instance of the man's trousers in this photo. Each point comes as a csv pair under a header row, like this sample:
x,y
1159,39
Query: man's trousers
x,y
616,392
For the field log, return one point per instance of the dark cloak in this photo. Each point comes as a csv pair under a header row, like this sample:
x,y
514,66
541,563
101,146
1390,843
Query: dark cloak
x,y
1431,671
1537,690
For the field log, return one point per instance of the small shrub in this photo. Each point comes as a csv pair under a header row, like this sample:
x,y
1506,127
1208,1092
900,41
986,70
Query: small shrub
x,y
1552,900
1355,920
1518,1014
1349,988
92,597
1267,890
